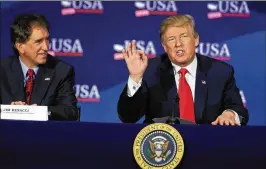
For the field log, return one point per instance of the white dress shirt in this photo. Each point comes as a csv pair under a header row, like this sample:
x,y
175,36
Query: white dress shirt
x,y
190,77
25,70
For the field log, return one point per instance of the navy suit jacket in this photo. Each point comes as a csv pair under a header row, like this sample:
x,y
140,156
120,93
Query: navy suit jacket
x,y
53,87
157,97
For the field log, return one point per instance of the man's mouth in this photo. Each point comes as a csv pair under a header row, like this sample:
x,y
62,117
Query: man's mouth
x,y
180,52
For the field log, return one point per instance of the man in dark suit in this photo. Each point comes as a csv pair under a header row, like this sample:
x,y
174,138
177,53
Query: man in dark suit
x,y
197,88
32,76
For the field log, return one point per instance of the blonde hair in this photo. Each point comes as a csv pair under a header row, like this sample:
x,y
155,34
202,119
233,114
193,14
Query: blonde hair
x,y
178,20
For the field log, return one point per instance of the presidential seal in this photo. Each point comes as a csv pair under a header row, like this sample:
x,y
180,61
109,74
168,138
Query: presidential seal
x,y
158,146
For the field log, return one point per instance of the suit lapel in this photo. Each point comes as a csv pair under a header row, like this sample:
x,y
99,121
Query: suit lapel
x,y
200,89
170,89
42,81
16,80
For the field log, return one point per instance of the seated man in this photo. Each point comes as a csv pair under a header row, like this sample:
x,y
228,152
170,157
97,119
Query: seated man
x,y
194,87
32,76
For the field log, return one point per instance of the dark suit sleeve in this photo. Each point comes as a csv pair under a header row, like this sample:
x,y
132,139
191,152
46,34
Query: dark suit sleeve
x,y
65,107
232,99
131,109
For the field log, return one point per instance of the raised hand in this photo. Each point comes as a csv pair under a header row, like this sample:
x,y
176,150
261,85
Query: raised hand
x,y
136,61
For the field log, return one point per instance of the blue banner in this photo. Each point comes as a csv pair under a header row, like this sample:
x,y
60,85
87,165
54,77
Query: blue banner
x,y
90,35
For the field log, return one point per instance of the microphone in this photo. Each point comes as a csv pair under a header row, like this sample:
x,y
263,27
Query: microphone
x,y
175,101
173,119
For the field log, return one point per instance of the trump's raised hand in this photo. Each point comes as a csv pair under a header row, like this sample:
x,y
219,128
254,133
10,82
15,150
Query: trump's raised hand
x,y
136,61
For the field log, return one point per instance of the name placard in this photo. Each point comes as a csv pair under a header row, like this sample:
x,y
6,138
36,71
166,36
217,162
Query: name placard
x,y
24,112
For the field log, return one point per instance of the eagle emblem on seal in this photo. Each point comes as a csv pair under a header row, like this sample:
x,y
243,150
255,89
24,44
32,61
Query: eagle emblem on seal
x,y
159,148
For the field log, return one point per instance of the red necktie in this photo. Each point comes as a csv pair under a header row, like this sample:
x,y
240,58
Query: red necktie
x,y
29,85
186,103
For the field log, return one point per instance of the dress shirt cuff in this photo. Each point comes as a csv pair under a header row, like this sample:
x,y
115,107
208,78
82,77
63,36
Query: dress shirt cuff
x,y
237,119
132,86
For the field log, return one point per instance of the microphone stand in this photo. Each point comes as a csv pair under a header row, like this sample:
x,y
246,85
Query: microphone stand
x,y
173,120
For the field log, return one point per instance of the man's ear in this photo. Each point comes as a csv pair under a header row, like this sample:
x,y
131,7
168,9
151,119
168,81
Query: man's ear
x,y
20,47
197,41
164,47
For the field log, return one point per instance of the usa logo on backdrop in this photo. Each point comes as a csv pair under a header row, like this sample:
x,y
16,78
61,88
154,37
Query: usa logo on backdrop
x,y
86,93
147,8
219,51
65,47
81,7
222,9
146,46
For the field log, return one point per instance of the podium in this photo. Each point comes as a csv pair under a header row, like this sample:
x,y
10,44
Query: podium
x,y
83,145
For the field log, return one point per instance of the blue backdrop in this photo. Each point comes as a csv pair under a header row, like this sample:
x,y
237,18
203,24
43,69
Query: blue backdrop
x,y
91,34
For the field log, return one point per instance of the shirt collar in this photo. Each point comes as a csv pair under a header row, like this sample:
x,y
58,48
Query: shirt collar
x,y
192,67
25,68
